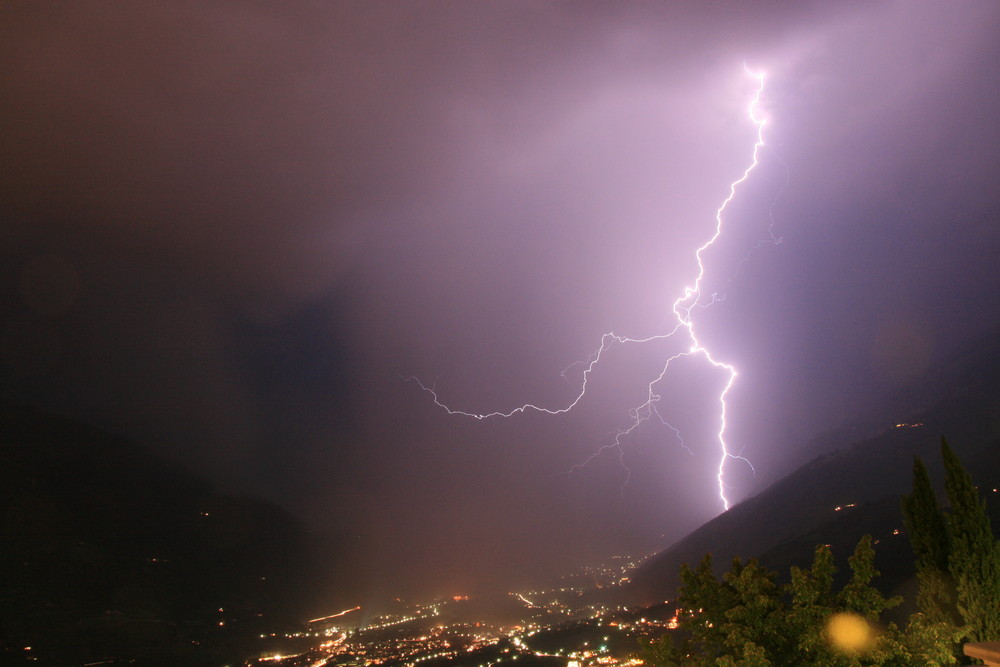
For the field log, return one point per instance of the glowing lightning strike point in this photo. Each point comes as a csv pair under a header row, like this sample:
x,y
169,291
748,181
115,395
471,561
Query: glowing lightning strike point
x,y
682,308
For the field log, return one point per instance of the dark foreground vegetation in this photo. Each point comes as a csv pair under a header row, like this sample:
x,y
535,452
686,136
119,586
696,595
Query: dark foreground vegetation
x,y
746,618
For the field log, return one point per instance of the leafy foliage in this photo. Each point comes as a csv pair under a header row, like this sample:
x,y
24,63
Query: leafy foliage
x,y
957,555
925,524
974,557
747,619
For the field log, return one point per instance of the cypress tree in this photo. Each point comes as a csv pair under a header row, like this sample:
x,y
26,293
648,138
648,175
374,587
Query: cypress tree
x,y
925,526
974,555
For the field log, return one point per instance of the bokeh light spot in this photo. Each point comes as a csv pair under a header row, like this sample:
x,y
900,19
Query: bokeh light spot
x,y
849,632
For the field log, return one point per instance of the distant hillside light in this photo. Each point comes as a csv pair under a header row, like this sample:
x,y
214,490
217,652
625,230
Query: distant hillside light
x,y
849,632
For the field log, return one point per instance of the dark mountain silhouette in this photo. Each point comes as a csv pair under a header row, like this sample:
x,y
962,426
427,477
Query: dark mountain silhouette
x,y
111,552
783,524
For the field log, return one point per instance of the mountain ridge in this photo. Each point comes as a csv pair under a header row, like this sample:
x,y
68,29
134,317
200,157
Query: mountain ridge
x,y
110,551
784,522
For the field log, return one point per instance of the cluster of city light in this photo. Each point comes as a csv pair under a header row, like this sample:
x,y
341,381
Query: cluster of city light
x,y
682,310
414,636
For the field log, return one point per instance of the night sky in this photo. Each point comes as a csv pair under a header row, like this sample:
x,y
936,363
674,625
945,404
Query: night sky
x,y
231,230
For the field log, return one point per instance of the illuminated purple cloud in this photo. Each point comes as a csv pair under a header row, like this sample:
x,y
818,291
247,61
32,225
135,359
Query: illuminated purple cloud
x,y
256,217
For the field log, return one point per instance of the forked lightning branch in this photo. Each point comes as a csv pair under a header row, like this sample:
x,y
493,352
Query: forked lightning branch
x,y
684,307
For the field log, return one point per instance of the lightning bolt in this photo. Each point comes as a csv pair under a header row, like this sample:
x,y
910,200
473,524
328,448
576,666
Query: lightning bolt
x,y
682,309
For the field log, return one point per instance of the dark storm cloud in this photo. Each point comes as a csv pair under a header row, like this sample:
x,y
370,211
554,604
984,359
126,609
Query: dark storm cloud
x,y
230,228
268,131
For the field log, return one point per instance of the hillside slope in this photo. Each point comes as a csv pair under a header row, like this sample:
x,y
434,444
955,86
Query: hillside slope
x,y
108,551
783,523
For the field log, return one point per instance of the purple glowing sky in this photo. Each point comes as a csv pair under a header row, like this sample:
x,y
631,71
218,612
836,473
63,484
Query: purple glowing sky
x,y
230,229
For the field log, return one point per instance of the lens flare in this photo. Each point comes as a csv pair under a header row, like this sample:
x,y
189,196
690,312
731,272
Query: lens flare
x,y
849,632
